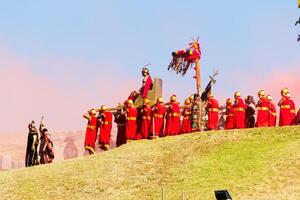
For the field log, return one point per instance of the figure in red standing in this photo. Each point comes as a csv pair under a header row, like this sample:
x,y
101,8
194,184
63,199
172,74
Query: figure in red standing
x,y
285,108
292,109
105,122
229,114
272,112
131,115
239,106
159,111
146,113
91,131
212,108
147,83
173,117
263,110
298,118
186,126
120,120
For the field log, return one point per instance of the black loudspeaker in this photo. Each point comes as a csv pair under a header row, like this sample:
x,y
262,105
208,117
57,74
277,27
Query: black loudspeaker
x,y
222,195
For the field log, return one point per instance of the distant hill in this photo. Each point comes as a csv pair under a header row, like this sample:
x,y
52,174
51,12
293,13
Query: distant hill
x,y
252,164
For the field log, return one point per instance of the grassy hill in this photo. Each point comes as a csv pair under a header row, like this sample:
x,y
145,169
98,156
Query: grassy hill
x,y
251,164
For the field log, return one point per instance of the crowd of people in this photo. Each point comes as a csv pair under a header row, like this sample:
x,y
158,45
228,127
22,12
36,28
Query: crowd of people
x,y
168,119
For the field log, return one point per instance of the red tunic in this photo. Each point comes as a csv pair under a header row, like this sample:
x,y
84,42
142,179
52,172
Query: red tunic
x,y
186,126
91,134
292,112
105,127
146,121
173,120
147,85
120,119
272,115
213,114
131,123
263,112
230,117
158,117
285,115
239,116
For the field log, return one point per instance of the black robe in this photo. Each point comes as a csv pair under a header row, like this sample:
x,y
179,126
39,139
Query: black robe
x,y
31,157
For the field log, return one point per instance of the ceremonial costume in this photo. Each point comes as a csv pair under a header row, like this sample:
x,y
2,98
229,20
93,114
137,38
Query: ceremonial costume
x,y
173,117
263,110
292,111
131,125
146,119
229,115
91,131
186,126
285,109
147,83
213,113
120,120
239,117
159,111
31,156
298,118
105,121
272,112
46,152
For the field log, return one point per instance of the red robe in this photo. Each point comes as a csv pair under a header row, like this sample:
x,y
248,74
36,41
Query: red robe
x,y
147,85
131,123
292,112
186,126
173,120
213,114
263,112
105,127
146,121
239,116
91,134
285,115
158,117
120,119
230,117
272,115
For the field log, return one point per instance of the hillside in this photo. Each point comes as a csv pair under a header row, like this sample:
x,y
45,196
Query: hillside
x,y
251,164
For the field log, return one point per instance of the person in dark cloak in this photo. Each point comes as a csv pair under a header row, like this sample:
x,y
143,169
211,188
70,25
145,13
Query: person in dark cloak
x,y
31,157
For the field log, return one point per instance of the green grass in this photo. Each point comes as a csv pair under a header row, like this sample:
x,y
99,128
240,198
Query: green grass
x,y
251,164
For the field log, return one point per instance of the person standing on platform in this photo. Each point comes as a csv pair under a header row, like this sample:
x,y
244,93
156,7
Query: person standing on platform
x,y
147,83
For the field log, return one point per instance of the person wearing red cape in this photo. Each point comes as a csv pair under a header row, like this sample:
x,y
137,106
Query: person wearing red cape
x,y
263,110
239,106
159,111
147,83
229,114
91,131
131,124
146,114
173,117
186,126
292,109
285,108
272,112
212,108
105,125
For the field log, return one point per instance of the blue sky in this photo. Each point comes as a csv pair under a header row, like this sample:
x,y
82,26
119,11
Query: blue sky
x,y
76,44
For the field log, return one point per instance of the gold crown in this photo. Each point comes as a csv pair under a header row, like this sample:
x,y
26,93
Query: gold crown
x,y
261,93
269,97
160,99
237,94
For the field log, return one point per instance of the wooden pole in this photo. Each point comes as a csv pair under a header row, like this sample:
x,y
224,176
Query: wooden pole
x,y
198,84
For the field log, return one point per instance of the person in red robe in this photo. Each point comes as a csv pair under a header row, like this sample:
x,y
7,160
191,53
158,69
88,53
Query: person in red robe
x,y
146,113
212,108
292,110
120,120
147,83
131,115
186,126
239,106
159,111
285,108
173,117
263,110
105,123
272,112
229,114
91,131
